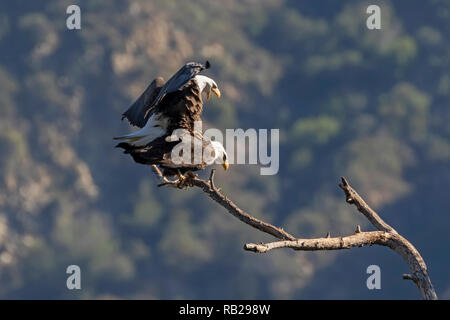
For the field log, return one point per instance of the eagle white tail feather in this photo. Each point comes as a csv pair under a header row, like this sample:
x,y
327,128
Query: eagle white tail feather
x,y
148,133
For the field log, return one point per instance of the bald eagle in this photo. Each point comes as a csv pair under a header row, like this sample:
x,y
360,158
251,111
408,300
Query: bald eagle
x,y
161,152
164,107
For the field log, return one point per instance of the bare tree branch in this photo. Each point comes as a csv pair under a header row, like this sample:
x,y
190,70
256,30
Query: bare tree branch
x,y
388,239
209,188
386,236
352,197
337,243
399,244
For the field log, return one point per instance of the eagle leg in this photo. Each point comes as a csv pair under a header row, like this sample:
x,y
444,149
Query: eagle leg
x,y
182,180
190,177
180,175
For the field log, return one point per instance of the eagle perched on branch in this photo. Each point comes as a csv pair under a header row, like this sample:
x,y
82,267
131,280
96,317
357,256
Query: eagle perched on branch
x,y
164,107
167,106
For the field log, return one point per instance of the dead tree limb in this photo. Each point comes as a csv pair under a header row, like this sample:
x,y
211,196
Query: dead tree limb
x,y
385,236
210,189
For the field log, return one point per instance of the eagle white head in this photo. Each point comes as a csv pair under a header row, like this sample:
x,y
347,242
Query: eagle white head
x,y
220,155
207,85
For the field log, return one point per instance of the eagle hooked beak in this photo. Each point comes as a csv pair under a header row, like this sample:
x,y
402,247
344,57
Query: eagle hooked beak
x,y
216,92
225,165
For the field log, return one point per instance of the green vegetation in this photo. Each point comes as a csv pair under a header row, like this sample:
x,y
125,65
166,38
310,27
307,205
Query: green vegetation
x,y
370,105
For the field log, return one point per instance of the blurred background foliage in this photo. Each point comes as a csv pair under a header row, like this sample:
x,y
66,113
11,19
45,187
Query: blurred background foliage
x,y
370,105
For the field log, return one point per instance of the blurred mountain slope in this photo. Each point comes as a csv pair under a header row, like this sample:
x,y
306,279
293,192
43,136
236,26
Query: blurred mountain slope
x,y
370,105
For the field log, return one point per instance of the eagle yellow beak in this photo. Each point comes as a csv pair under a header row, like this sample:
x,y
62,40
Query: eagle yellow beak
x,y
216,91
225,165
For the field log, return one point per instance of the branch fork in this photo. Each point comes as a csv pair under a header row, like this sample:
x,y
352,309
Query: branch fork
x,y
385,235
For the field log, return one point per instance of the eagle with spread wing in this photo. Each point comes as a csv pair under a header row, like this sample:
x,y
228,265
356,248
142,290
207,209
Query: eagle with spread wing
x,y
166,106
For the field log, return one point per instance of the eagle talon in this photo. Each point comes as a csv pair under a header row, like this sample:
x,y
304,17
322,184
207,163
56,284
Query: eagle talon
x,y
180,176
182,184
190,177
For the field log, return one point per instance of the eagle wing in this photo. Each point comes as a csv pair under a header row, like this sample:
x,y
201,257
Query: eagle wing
x,y
148,102
176,82
137,114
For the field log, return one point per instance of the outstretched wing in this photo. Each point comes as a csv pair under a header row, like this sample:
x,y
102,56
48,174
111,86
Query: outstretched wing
x,y
147,103
137,114
178,80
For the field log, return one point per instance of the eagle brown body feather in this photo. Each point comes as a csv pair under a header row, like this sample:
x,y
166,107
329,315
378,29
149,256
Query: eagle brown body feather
x,y
186,106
